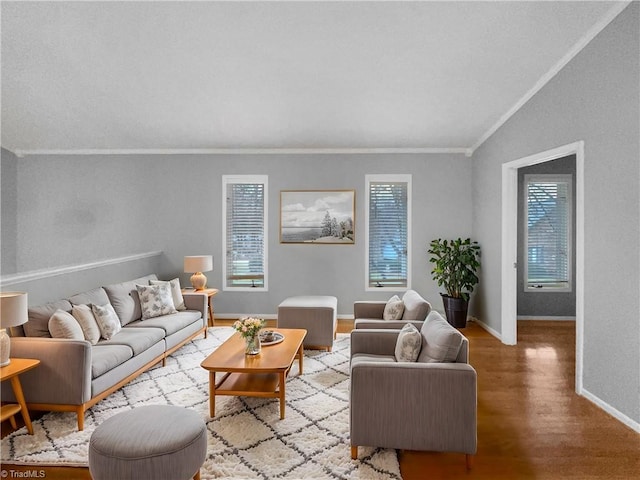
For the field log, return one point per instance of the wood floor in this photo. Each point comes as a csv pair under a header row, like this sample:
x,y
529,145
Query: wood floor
x,y
531,424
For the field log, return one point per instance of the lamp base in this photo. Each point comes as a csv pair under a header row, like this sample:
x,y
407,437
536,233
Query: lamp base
x,y
198,281
5,346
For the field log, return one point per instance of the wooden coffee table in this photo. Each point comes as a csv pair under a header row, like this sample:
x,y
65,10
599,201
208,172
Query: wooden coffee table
x,y
263,375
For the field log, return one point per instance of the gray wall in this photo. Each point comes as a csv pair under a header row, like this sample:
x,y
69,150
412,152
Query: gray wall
x,y
71,210
546,304
595,98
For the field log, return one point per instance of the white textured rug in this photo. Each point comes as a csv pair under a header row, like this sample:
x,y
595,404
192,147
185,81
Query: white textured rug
x,y
247,439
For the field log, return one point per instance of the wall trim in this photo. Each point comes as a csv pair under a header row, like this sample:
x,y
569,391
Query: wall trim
x,y
20,153
32,275
492,331
546,318
614,412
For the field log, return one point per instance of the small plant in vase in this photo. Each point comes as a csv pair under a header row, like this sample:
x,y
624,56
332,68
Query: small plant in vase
x,y
249,329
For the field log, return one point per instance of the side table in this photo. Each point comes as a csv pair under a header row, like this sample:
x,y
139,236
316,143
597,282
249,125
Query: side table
x,y
12,372
210,293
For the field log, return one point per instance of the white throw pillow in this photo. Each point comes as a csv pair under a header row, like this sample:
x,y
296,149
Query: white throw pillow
x,y
84,315
107,320
408,344
442,342
176,292
393,309
155,300
63,325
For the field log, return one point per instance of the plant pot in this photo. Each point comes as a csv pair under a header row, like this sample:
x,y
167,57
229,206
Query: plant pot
x,y
455,310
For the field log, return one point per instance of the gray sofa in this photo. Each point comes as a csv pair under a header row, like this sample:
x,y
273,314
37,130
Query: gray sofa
x,y
429,404
74,374
369,314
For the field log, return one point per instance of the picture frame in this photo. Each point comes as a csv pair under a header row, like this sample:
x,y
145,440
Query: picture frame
x,y
317,217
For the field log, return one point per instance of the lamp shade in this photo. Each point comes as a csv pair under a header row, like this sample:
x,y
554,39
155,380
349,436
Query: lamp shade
x,y
198,263
13,309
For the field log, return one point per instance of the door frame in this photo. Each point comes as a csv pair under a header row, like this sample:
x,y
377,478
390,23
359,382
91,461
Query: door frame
x,y
509,285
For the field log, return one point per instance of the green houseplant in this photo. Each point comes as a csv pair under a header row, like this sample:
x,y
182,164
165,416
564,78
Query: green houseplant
x,y
455,266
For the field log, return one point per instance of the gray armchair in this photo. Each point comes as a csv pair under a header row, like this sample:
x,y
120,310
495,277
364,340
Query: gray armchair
x,y
426,405
369,314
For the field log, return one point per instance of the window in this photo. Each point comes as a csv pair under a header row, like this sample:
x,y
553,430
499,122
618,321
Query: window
x,y
548,232
244,232
388,231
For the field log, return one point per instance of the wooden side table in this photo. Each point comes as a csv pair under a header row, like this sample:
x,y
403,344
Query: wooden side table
x,y
12,372
210,293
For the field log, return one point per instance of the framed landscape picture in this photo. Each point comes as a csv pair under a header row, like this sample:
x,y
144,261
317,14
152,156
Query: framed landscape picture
x,y
317,216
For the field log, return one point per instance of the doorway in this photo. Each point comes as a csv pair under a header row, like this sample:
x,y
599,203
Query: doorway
x,y
510,238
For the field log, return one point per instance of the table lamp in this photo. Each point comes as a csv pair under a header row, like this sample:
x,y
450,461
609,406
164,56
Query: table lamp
x,y
197,264
13,312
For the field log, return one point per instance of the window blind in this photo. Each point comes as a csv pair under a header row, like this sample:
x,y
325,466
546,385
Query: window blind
x,y
245,231
548,233
388,207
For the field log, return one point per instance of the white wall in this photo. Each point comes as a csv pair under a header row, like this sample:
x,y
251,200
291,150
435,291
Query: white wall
x,y
595,98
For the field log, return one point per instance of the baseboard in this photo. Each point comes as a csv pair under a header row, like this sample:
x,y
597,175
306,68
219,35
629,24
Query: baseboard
x,y
493,332
547,318
618,415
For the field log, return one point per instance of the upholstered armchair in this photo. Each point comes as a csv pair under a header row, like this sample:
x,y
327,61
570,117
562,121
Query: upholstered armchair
x,y
429,404
370,314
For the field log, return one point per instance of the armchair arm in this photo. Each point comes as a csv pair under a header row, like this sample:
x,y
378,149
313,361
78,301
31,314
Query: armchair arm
x,y
197,301
376,342
392,324
63,376
369,309
414,406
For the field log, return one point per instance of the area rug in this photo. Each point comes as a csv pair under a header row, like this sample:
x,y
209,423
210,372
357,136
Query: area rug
x,y
247,439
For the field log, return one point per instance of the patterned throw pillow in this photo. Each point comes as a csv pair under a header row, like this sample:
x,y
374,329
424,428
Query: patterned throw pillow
x,y
107,320
408,344
393,309
63,325
155,300
84,315
176,292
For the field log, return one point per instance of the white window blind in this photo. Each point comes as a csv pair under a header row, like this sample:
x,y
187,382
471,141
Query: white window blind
x,y
548,224
245,232
388,231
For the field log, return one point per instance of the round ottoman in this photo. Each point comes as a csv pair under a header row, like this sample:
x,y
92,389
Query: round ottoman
x,y
160,442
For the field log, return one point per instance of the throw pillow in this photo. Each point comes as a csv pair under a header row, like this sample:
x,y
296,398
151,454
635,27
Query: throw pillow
x,y
63,325
84,315
155,300
176,292
408,344
107,320
393,309
442,342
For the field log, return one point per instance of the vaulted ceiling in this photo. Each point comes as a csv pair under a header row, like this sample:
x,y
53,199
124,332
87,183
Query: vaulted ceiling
x,y
207,76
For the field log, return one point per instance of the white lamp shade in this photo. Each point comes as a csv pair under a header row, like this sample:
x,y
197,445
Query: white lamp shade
x,y
198,263
13,309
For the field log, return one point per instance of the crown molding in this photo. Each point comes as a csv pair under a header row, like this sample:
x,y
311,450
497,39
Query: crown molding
x,y
546,78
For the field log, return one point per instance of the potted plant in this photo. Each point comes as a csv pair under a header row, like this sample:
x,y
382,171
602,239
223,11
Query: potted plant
x,y
455,263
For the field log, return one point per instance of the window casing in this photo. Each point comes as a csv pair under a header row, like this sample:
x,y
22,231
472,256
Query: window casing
x,y
548,216
388,230
244,208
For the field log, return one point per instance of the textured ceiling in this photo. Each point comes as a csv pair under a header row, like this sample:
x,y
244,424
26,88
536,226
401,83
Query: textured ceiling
x,y
143,76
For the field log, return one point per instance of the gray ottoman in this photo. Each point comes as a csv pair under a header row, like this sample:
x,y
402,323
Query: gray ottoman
x,y
160,442
317,314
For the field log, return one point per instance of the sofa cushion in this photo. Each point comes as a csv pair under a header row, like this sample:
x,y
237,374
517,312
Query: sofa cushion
x,y
169,323
38,324
155,300
361,358
408,344
138,339
440,341
393,309
106,357
87,320
107,320
96,296
176,292
124,298
415,307
63,325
